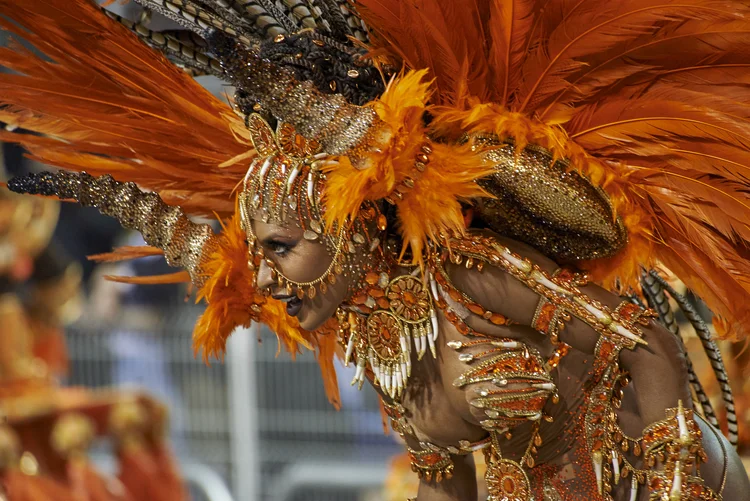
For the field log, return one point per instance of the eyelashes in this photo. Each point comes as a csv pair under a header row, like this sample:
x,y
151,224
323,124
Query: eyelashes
x,y
280,249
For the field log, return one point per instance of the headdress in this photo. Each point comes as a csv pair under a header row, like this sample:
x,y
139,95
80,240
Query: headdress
x,y
610,135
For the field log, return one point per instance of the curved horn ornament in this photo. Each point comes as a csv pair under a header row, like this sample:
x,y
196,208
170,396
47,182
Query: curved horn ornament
x,y
166,227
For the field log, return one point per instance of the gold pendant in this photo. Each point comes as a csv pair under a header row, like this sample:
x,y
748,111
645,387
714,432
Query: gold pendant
x,y
506,481
406,318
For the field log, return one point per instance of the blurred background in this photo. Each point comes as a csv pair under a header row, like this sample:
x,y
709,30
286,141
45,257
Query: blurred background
x,y
255,427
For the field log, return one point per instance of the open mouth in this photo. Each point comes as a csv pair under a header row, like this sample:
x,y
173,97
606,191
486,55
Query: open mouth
x,y
293,304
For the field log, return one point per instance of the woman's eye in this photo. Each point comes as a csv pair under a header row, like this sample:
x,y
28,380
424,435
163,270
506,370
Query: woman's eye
x,y
279,248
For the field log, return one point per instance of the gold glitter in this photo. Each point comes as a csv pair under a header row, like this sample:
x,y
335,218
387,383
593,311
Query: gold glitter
x,y
547,204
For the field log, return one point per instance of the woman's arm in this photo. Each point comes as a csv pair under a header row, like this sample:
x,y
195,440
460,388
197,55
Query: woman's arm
x,y
658,370
462,486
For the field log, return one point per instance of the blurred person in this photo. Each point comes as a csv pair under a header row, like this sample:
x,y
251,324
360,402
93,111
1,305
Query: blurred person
x,y
137,319
46,429
434,231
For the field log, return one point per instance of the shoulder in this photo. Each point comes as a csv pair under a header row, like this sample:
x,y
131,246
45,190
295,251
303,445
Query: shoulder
x,y
494,288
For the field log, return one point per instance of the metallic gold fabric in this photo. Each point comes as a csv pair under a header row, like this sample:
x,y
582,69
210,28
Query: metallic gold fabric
x,y
547,204
162,225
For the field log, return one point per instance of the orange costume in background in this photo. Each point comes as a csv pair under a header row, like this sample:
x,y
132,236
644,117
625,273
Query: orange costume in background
x,y
45,429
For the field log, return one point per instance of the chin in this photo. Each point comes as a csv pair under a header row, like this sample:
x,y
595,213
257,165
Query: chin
x,y
310,321
313,316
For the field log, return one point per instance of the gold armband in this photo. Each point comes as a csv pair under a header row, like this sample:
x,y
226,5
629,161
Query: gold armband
x,y
675,445
431,463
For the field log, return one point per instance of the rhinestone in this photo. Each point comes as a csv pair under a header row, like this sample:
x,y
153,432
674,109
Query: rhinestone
x,y
256,200
352,73
315,225
358,238
279,38
350,247
291,201
383,280
420,166
374,244
456,345
257,107
310,235
466,357
319,43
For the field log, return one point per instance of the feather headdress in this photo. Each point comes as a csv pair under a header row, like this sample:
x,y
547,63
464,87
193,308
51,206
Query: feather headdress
x,y
645,101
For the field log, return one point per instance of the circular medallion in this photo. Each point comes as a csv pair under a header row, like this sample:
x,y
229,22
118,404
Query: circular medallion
x,y
384,333
409,299
506,481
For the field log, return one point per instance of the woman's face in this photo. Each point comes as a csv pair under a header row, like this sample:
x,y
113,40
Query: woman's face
x,y
299,260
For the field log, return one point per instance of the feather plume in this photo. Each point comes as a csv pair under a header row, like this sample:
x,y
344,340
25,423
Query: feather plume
x,y
126,253
327,349
177,277
592,28
155,126
423,35
692,152
677,51
432,205
510,25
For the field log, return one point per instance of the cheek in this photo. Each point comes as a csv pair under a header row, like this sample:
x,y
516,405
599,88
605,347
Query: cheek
x,y
306,263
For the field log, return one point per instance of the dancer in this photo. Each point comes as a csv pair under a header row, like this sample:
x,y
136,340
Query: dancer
x,y
452,195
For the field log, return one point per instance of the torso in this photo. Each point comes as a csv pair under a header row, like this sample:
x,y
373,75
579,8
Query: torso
x,y
441,412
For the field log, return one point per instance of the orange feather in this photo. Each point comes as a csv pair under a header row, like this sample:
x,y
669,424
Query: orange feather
x,y
591,28
177,277
90,103
126,253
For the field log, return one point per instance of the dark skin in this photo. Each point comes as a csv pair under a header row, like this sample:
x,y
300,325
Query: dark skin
x,y
441,413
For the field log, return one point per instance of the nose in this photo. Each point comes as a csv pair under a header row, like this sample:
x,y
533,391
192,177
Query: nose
x,y
265,279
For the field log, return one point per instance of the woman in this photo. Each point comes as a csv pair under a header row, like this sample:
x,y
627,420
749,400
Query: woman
x,y
434,236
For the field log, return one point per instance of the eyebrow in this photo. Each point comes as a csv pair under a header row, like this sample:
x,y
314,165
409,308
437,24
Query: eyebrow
x,y
275,237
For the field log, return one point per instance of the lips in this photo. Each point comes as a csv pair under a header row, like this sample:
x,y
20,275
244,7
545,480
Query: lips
x,y
293,304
